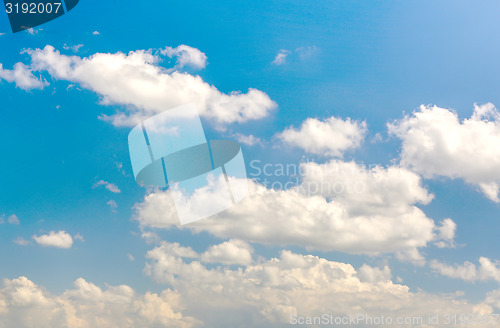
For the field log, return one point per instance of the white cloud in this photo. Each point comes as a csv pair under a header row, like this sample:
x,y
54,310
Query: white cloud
x,y
487,270
306,53
269,292
79,237
23,304
446,233
21,241
96,33
74,48
301,53
339,206
229,252
280,58
111,187
112,204
13,219
372,274
60,239
22,76
330,137
249,140
145,88
437,143
186,56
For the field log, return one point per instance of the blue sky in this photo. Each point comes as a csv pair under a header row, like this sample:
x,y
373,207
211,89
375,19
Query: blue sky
x,y
367,61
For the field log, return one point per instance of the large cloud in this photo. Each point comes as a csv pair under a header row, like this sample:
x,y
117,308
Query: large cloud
x,y
338,206
271,292
137,81
23,304
437,143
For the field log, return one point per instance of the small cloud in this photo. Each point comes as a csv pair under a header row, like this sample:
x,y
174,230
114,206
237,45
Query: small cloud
x,y
60,239
377,138
96,33
79,237
280,58
303,53
248,140
186,56
112,204
33,31
21,241
111,187
131,257
307,52
13,219
74,48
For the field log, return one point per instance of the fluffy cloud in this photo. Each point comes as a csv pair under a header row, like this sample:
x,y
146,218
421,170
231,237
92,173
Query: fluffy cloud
x,y
436,143
111,187
24,304
230,252
330,137
338,206
186,56
486,270
22,76
271,292
60,239
137,81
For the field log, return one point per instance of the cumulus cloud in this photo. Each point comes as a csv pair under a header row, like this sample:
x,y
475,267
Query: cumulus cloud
x,y
60,239
137,81
24,304
339,206
373,274
269,292
329,137
22,76
229,252
486,270
186,56
436,143
111,187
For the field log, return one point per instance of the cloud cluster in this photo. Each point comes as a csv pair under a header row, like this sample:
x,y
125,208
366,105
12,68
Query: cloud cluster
x,y
339,206
329,137
437,143
269,292
138,82
23,304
